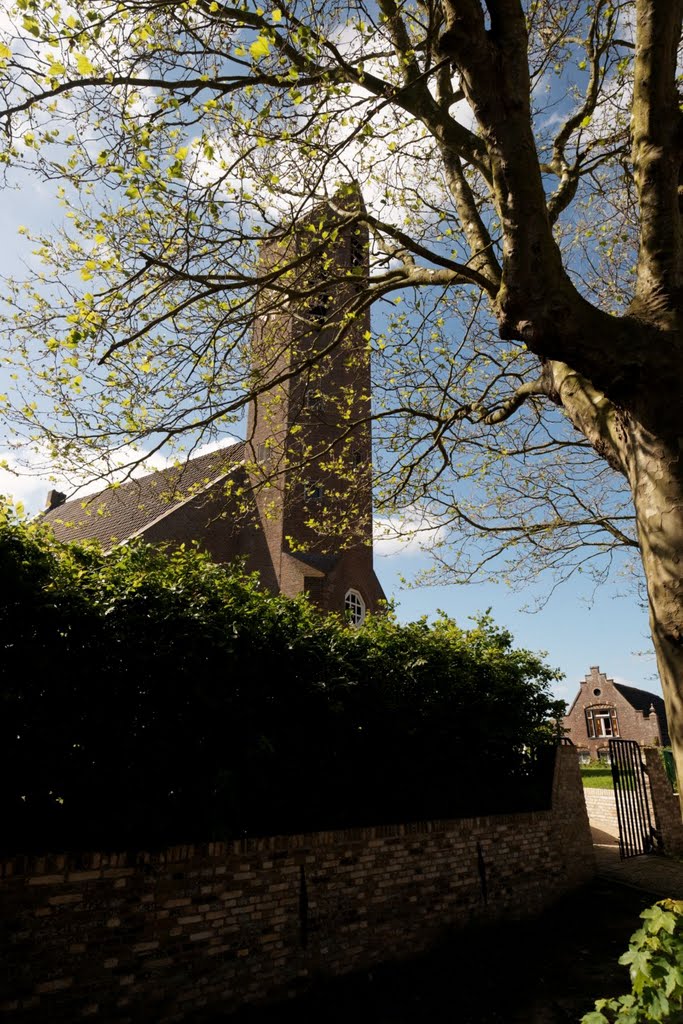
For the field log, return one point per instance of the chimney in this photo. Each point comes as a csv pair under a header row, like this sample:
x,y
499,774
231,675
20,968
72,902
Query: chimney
x,y
54,500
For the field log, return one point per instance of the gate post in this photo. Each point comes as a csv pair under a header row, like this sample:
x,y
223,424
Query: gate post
x,y
571,829
666,808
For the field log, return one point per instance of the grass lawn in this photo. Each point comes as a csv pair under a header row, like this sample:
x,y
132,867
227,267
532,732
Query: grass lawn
x,y
597,776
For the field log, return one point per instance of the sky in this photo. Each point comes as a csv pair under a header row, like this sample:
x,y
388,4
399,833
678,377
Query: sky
x,y
577,627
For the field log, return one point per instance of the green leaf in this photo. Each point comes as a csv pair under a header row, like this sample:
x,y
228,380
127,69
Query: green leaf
x,y
674,980
31,25
260,48
83,65
56,69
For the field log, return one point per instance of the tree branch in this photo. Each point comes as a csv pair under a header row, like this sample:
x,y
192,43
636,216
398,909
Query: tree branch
x,y
512,404
464,272
495,78
590,412
569,175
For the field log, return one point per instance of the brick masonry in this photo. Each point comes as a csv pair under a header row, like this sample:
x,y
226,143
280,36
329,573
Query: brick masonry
x,y
666,804
199,930
295,500
602,810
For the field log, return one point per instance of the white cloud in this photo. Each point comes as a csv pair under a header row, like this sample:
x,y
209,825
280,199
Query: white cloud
x,y
29,491
409,534
29,479
214,446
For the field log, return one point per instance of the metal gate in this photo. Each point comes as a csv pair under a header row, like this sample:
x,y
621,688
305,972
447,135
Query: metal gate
x,y
636,834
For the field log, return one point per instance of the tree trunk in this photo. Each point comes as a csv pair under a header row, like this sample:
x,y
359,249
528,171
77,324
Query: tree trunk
x,y
656,477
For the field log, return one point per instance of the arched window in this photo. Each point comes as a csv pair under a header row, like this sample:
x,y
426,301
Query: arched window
x,y
354,606
601,721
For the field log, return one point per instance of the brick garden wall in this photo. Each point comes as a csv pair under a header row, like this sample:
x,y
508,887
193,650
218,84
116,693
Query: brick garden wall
x,y
666,806
602,810
178,934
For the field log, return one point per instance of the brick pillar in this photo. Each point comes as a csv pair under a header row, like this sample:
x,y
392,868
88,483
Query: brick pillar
x,y
571,831
665,805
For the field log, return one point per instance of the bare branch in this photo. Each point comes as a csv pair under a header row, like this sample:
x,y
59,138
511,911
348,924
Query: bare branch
x,y
597,45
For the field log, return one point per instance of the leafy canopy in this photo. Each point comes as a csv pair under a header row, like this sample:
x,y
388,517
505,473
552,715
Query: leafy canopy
x,y
180,135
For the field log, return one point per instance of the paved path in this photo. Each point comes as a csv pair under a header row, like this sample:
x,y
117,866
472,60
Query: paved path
x,y
661,876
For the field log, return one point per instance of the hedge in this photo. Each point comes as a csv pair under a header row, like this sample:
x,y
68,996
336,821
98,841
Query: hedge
x,y
152,696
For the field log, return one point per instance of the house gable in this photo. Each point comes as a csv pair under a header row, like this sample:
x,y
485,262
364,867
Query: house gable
x,y
603,709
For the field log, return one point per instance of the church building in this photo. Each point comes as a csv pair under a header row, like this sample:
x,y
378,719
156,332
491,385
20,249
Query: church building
x,y
294,499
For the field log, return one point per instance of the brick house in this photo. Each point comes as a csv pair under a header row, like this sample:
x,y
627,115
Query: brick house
x,y
294,500
603,709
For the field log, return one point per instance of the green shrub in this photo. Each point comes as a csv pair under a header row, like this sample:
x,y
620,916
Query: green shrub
x,y
152,696
655,962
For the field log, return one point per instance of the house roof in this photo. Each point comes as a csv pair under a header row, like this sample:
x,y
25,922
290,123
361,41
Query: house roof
x,y
117,513
642,700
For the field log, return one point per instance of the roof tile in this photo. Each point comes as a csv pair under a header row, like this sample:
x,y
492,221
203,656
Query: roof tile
x,y
117,513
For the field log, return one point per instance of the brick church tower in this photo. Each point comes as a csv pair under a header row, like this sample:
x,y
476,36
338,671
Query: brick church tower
x,y
294,500
309,432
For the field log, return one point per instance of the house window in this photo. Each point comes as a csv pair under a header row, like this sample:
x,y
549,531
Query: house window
x,y
320,308
313,492
601,722
354,607
313,402
358,251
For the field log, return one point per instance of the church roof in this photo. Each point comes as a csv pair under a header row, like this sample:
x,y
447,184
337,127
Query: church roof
x,y
643,700
117,513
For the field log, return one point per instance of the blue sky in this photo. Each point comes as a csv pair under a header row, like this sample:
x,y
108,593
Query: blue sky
x,y
577,627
